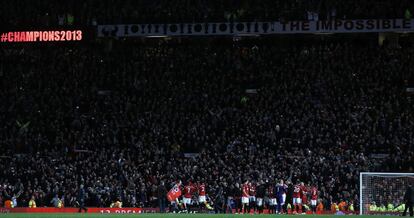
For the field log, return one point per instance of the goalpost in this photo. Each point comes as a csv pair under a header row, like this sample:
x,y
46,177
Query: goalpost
x,y
378,192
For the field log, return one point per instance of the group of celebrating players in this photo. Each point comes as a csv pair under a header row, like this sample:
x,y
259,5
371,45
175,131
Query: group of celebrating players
x,y
189,197
255,196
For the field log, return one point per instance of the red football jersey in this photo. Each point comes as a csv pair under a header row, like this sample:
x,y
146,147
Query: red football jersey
x,y
174,193
297,191
303,190
245,190
202,189
188,190
252,188
314,193
270,192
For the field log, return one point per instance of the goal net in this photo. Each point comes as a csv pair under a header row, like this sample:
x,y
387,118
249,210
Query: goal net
x,y
383,193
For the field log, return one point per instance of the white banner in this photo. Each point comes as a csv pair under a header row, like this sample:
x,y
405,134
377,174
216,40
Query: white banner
x,y
256,28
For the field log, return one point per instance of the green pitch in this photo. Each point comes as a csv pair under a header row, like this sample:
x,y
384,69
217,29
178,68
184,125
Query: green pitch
x,y
95,215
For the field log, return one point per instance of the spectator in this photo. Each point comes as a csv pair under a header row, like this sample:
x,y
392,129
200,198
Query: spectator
x,y
56,202
162,193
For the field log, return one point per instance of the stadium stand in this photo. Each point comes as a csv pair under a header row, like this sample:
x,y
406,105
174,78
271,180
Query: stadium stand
x,y
68,13
122,121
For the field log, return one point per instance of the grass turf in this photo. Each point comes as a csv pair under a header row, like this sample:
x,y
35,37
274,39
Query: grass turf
x,y
97,215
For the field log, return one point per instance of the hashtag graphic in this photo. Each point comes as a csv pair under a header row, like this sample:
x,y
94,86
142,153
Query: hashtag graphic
x,y
3,37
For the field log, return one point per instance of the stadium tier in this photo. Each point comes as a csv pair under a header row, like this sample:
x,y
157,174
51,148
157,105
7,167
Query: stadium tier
x,y
107,106
121,122
93,12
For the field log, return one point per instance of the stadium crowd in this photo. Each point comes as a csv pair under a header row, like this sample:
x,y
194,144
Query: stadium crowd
x,y
123,121
89,13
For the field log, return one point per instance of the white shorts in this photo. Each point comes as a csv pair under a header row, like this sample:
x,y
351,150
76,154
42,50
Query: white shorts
x,y
252,198
313,202
297,200
187,201
272,201
245,200
259,202
202,199
284,198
